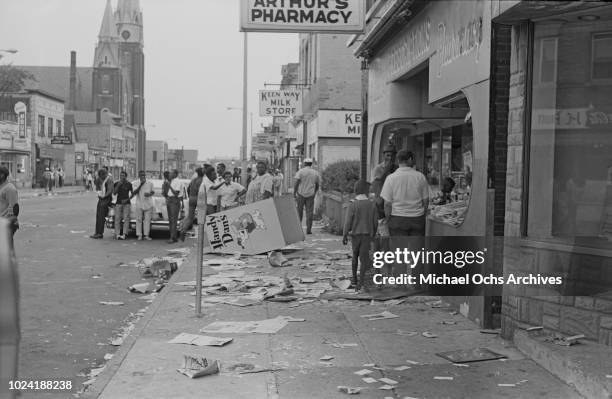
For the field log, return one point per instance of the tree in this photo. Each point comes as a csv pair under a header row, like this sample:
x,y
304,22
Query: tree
x,y
12,79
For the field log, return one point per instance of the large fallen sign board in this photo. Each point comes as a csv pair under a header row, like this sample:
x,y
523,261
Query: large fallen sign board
x,y
255,228
324,16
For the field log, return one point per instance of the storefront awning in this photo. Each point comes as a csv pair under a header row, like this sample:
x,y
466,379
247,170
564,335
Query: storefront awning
x,y
14,151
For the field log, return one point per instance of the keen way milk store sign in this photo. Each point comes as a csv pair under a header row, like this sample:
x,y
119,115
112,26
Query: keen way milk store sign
x,y
342,16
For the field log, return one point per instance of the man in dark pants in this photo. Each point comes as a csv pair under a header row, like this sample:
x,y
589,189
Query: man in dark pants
x,y
305,190
406,196
104,190
9,202
173,204
192,192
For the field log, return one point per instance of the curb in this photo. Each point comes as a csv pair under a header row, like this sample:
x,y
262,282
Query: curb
x,y
581,368
112,366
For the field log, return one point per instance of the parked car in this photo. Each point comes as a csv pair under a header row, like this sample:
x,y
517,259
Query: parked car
x,y
159,217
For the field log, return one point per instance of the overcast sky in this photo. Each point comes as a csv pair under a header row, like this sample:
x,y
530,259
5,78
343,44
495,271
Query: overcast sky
x,y
193,61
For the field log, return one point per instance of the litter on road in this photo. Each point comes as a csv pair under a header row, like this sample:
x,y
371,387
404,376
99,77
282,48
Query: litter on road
x,y
380,316
194,367
401,368
199,340
363,372
112,303
369,380
470,355
386,387
326,358
443,378
387,381
349,390
427,334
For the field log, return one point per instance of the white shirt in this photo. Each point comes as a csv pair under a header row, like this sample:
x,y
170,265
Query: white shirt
x,y
308,178
405,189
177,186
228,193
211,195
142,202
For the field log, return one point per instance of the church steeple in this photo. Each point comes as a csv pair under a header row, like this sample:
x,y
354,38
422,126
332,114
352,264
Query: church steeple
x,y
108,30
107,49
129,21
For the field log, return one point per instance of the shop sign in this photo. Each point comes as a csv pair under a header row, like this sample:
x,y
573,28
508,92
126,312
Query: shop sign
x,y
323,16
570,118
453,35
254,228
344,124
21,109
79,157
61,140
281,103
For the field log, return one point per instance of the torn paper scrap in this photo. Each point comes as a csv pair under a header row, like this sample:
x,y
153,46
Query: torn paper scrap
x,y
363,372
268,326
387,381
111,303
386,387
199,340
326,358
349,390
380,316
401,368
194,367
443,378
369,380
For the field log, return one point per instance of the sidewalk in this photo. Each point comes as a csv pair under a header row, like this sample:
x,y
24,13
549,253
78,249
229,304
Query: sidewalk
x,y
145,366
40,192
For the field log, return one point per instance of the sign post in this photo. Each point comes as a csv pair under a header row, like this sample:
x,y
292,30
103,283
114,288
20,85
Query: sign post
x,y
201,212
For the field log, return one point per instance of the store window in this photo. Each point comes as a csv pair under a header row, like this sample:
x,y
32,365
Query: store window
x,y
50,127
570,170
443,153
41,126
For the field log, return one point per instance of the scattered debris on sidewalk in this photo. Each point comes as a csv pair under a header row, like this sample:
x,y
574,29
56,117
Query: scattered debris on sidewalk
x,y
386,387
349,390
195,367
387,381
401,368
443,378
326,358
363,372
428,334
108,356
470,355
565,341
277,259
369,380
268,326
199,340
111,303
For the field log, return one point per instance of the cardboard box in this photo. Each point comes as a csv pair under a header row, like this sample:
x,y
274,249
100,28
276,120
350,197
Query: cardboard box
x,y
255,228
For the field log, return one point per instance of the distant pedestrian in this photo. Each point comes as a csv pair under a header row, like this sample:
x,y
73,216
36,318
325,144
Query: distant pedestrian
x,y
55,178
60,177
236,175
166,184
262,186
192,192
173,204
306,186
9,201
406,196
89,181
123,190
249,173
144,205
230,192
278,183
210,185
360,222
104,189
47,177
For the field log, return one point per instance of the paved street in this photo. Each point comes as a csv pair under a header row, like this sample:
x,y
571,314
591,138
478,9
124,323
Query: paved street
x,y
64,275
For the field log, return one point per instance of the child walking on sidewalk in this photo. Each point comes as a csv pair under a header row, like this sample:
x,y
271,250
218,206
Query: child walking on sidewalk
x,y
360,222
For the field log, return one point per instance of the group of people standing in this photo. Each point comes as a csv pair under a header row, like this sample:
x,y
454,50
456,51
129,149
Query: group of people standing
x,y
53,178
399,209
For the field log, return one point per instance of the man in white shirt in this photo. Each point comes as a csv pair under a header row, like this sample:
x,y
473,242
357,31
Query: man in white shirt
x,y
262,186
229,192
173,204
144,205
306,186
211,184
406,196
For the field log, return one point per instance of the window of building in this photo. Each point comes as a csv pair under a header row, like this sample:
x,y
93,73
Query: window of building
x,y
547,66
570,160
58,124
105,84
154,156
41,126
50,127
442,152
602,56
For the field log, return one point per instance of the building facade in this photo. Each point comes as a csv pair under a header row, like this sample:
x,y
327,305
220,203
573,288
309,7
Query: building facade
x,y
508,99
156,158
331,79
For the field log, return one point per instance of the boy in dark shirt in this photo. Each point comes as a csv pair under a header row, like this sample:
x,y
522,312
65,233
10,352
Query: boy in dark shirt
x,y
123,190
361,221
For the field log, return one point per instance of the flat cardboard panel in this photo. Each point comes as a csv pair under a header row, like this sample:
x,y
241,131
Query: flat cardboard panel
x,y
252,229
290,222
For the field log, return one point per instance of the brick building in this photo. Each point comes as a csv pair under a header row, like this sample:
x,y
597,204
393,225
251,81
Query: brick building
x,y
331,107
510,99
